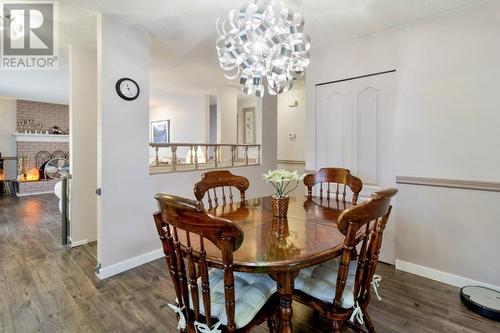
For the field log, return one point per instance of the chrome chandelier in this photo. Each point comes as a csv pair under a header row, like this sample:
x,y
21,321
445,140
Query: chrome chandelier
x,y
263,43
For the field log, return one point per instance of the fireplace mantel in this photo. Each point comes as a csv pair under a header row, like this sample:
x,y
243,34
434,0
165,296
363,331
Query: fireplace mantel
x,y
24,137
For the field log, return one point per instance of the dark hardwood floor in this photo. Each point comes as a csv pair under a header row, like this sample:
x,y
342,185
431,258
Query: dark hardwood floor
x,y
45,287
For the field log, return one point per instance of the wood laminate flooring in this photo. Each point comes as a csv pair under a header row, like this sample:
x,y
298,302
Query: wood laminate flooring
x,y
45,287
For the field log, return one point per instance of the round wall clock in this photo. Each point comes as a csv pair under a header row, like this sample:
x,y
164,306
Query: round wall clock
x,y
127,89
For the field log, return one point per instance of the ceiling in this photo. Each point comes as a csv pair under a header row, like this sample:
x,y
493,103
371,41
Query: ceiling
x,y
183,57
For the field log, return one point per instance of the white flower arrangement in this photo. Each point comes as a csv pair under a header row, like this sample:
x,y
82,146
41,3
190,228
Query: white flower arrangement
x,y
281,180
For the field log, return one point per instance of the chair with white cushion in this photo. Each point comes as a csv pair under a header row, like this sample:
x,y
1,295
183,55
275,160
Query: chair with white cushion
x,y
210,300
340,289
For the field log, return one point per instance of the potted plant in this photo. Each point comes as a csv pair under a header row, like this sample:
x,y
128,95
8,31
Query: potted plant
x,y
284,182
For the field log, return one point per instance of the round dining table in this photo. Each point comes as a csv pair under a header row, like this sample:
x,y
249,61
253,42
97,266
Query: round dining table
x,y
281,247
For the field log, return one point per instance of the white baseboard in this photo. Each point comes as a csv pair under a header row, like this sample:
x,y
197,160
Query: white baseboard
x,y
33,193
434,274
77,243
105,272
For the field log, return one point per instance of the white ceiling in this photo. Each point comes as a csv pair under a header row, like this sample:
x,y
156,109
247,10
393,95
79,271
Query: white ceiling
x,y
183,57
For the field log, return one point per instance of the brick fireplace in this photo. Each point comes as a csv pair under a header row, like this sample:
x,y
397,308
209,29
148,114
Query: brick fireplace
x,y
39,137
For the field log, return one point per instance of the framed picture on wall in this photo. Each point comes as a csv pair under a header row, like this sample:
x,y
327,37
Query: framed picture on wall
x,y
249,126
160,131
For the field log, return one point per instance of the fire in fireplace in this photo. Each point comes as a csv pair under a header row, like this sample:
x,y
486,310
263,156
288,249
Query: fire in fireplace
x,y
32,175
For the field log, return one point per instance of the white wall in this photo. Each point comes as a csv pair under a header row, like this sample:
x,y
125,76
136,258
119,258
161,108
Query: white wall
x,y
83,143
227,106
127,236
449,96
446,126
187,117
292,120
123,135
7,141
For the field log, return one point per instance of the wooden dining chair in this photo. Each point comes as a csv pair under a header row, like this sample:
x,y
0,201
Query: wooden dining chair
x,y
340,289
210,299
218,186
336,181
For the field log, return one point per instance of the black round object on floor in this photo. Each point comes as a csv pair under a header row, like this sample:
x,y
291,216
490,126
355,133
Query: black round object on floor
x,y
484,301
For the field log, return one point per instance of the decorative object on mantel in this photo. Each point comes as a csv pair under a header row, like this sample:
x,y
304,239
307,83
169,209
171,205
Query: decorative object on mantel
x,y
56,130
28,126
263,43
281,180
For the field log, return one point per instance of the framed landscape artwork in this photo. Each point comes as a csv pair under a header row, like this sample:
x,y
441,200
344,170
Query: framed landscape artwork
x,y
249,125
160,131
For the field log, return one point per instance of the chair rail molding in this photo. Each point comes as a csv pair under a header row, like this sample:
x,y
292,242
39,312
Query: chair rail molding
x,y
478,185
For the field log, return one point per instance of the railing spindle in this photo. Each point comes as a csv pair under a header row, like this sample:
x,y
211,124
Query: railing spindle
x,y
174,157
195,157
206,154
216,155
157,158
246,155
232,155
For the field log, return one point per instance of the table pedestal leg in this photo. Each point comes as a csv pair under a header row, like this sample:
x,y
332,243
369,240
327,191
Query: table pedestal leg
x,y
285,290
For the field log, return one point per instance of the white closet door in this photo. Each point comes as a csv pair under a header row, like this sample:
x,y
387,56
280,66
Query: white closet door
x,y
355,130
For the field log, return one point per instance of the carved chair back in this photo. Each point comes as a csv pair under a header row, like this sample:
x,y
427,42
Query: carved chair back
x,y
218,187
335,181
184,228
370,216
